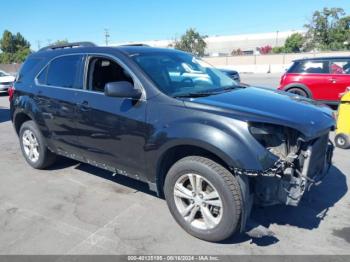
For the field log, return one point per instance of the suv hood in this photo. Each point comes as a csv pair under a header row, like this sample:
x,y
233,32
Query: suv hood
x,y
275,107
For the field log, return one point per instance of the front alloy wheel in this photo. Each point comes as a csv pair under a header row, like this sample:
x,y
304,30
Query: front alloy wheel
x,y
198,201
204,198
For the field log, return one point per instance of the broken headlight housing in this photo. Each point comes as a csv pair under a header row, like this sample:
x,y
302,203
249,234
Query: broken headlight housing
x,y
278,140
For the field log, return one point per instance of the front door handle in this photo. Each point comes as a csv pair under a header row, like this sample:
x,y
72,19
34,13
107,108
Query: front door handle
x,y
84,106
333,80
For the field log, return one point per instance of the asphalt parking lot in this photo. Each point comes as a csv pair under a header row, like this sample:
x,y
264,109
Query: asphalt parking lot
x,y
264,80
74,208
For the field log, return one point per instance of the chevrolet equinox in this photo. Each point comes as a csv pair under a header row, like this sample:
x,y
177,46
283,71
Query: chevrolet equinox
x,y
210,146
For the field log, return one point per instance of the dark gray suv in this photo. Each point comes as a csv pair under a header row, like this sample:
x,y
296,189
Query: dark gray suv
x,y
211,146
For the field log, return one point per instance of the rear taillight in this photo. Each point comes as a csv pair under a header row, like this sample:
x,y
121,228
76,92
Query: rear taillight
x,y
283,77
11,91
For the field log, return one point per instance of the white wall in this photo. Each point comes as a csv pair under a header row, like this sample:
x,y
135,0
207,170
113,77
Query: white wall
x,y
276,63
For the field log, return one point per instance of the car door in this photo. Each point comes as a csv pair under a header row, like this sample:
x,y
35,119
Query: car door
x,y
112,131
59,85
315,76
340,78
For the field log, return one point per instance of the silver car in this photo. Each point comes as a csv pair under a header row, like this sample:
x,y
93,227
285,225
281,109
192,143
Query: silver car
x,y
6,80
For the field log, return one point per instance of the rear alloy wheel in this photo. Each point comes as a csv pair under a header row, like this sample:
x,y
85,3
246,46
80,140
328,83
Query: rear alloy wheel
x,y
298,91
30,146
342,141
204,198
33,146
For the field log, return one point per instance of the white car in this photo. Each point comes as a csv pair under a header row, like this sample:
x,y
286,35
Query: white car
x,y
6,81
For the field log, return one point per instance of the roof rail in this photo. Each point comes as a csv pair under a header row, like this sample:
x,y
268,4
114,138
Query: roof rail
x,y
68,45
136,44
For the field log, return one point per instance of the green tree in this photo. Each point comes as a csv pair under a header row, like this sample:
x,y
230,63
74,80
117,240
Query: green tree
x,y
61,42
278,49
192,42
20,42
15,48
7,43
6,58
294,43
328,30
21,55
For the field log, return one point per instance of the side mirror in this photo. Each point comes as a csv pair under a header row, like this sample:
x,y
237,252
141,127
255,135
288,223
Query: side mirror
x,y
122,89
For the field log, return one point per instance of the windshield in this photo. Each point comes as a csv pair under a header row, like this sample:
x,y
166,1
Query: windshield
x,y
180,75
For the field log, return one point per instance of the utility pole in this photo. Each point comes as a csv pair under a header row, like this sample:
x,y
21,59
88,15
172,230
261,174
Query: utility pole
x,y
39,44
277,37
107,35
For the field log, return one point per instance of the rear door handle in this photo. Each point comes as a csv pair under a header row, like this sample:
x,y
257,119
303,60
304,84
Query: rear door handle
x,y
84,106
333,80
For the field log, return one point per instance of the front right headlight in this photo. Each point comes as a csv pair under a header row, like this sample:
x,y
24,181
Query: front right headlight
x,y
279,140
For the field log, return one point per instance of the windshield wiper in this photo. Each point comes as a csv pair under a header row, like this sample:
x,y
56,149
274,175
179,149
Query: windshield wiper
x,y
229,88
191,95
199,94
208,93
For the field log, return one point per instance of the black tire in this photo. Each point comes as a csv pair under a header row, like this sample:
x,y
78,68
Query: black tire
x,y
298,91
342,141
225,183
46,157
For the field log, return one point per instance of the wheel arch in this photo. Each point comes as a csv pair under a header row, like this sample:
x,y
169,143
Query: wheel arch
x,y
300,86
176,152
20,118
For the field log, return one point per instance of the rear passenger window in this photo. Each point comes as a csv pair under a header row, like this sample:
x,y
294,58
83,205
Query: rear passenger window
x,y
310,67
63,71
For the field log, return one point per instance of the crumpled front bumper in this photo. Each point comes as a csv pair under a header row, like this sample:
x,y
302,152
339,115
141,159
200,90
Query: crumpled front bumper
x,y
288,179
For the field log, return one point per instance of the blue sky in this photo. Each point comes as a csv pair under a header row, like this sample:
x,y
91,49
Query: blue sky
x,y
133,20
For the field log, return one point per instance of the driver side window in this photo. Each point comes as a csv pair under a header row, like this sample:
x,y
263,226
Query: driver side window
x,y
104,70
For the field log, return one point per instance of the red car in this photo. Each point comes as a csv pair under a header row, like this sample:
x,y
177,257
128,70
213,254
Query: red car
x,y
323,79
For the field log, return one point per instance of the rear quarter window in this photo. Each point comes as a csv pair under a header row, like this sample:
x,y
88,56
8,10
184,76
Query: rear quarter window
x,y
340,67
28,69
42,76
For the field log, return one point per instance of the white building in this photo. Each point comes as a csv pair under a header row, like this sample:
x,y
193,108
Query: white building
x,y
224,45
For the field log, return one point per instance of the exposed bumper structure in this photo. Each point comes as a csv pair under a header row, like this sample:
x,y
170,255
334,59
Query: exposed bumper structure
x,y
288,179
